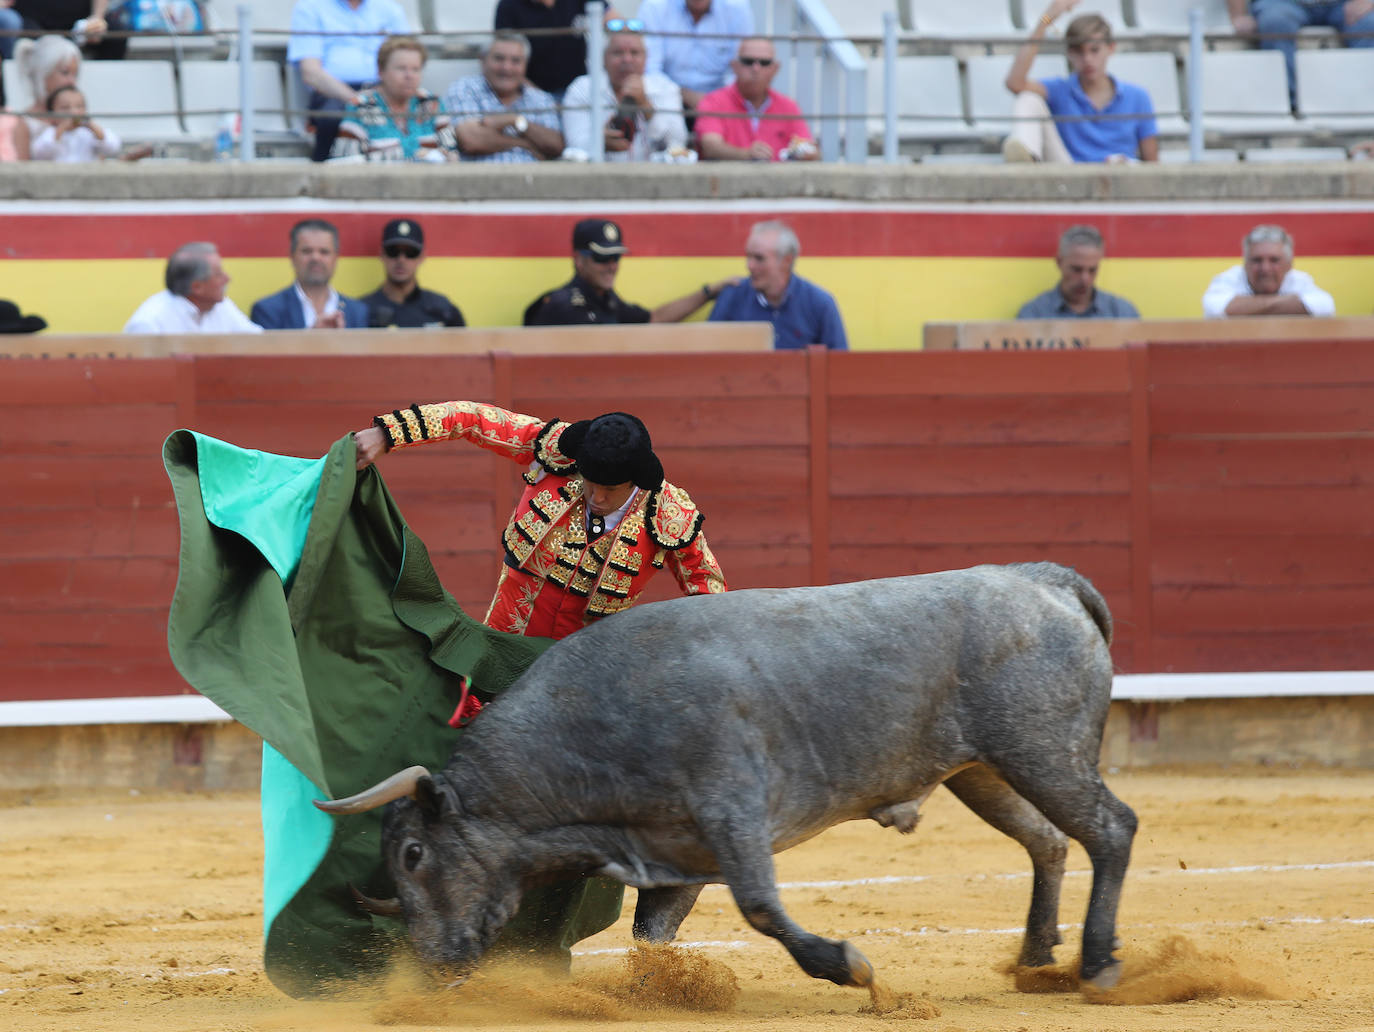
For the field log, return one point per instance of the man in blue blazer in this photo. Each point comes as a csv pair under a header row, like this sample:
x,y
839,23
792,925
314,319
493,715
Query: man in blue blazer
x,y
310,302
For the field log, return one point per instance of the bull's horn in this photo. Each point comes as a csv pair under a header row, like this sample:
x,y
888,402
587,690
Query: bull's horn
x,y
380,907
399,784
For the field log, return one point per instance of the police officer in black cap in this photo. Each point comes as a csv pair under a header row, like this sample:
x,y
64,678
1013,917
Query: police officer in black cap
x,y
589,298
400,301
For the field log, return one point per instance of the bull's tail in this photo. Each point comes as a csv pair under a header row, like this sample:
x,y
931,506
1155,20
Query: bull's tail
x,y
1074,582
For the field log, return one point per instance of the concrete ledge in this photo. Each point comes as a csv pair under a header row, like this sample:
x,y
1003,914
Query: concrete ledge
x,y
115,181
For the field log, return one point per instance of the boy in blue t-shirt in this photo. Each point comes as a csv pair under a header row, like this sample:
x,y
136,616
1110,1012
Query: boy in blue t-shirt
x,y
1087,116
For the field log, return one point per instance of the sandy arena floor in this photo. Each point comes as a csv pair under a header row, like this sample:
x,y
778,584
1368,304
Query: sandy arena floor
x,y
1249,906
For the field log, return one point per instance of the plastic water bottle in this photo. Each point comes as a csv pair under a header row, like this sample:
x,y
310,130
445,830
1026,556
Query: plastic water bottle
x,y
224,138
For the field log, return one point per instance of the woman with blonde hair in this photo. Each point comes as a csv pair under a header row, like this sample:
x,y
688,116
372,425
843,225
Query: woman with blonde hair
x,y
45,64
398,119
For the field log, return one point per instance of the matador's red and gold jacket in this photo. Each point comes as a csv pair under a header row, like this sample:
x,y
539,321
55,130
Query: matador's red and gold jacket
x,y
547,536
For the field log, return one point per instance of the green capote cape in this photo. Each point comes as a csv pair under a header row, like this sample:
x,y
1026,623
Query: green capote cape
x,y
309,611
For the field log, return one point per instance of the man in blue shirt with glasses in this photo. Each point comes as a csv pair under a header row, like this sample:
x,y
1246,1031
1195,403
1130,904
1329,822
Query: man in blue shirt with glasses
x,y
801,312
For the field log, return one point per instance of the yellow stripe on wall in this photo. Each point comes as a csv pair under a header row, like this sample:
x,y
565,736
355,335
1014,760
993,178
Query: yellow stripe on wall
x,y
884,301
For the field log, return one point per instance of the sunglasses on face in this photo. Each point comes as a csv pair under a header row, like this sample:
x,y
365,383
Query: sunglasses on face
x,y
762,62
624,25
401,251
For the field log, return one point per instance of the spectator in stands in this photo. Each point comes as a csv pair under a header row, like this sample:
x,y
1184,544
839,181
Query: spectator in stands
x,y
11,321
749,120
555,60
1277,23
45,64
801,312
1126,133
64,15
10,21
398,120
400,301
337,66
497,115
1077,296
589,298
72,137
697,55
194,300
1267,284
645,110
311,302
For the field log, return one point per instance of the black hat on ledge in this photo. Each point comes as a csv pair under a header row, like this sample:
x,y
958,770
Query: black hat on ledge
x,y
12,322
613,449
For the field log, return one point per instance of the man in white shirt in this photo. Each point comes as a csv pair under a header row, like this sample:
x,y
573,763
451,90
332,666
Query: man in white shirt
x,y
645,110
1267,284
194,300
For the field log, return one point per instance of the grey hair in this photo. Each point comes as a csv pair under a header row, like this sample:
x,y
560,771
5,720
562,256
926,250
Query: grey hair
x,y
188,264
506,37
36,58
788,244
1267,234
1079,236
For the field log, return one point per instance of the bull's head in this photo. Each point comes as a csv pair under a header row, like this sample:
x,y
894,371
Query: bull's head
x,y
457,884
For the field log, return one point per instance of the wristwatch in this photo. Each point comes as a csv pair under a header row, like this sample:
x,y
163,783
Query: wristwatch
x,y
521,125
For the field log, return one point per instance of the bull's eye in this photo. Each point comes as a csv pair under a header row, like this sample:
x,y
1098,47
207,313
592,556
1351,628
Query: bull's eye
x,y
411,856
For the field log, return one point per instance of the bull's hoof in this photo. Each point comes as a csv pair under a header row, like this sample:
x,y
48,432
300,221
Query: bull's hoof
x,y
860,970
1105,979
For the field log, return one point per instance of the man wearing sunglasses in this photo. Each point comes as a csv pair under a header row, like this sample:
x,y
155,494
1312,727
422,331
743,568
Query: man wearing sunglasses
x,y
589,298
400,301
749,120
692,42
645,109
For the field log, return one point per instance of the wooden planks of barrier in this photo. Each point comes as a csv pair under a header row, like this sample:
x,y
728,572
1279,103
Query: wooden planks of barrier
x,y
690,337
1218,493
1078,334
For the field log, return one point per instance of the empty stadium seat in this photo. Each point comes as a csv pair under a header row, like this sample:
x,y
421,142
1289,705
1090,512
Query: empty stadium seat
x,y
1157,74
1245,93
859,19
1334,87
208,87
1276,155
989,100
1210,156
137,99
969,19
468,16
1170,17
441,73
930,102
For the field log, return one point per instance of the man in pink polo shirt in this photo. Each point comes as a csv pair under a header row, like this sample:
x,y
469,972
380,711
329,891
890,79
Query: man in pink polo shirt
x,y
748,121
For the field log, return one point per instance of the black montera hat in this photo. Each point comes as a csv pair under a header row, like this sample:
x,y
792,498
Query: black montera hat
x,y
599,236
403,231
12,322
613,449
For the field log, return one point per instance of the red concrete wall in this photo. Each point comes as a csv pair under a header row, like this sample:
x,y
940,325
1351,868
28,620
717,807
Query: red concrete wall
x,y
1221,496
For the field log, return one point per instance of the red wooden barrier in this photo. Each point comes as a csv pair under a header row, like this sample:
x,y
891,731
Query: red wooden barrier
x,y
1221,496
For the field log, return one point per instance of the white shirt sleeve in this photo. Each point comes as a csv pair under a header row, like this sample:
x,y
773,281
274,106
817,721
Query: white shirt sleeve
x,y
667,129
1224,288
577,124
238,322
110,145
1314,299
44,145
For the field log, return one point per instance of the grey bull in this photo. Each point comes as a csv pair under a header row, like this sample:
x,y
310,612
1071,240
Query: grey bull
x,y
685,742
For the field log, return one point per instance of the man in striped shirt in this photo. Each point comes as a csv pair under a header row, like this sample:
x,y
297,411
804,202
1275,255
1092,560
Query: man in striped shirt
x,y
497,116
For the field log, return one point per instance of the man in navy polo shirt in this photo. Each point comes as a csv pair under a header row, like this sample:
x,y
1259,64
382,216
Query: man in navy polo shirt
x,y
1086,116
801,312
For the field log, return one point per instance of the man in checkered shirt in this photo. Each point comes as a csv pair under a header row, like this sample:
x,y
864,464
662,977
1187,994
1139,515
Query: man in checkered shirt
x,y
497,115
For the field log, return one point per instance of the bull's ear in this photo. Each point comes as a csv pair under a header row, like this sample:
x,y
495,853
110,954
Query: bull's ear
x,y
433,796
